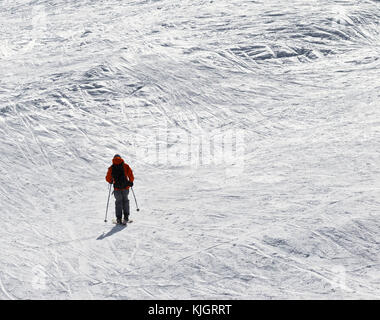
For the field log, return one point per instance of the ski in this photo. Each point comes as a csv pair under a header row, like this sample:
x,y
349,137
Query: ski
x,y
123,222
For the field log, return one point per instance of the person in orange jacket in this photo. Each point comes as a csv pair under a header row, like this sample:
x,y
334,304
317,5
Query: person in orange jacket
x,y
121,176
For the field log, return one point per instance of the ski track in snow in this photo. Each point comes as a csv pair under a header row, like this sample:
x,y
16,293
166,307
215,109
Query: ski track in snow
x,y
81,81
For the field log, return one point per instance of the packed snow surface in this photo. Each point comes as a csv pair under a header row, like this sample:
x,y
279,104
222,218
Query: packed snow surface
x,y
252,128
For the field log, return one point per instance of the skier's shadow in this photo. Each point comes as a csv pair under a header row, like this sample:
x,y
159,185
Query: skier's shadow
x,y
114,230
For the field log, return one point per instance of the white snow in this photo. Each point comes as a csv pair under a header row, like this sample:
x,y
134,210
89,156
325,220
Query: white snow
x,y
289,209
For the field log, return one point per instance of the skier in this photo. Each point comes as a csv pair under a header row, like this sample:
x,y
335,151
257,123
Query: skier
x,y
121,176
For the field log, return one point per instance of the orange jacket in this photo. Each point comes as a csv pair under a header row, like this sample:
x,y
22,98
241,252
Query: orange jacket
x,y
127,171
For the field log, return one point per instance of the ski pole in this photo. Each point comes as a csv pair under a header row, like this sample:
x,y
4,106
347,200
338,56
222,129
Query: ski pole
x,y
135,200
108,201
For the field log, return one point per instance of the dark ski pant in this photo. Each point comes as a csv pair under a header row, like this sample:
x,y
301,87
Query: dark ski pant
x,y
122,203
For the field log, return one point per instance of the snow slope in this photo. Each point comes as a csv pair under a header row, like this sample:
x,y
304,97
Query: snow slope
x,y
252,128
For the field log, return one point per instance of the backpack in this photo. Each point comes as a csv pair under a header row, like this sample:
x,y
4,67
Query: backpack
x,y
118,175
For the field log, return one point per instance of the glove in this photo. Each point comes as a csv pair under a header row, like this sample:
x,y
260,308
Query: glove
x,y
130,183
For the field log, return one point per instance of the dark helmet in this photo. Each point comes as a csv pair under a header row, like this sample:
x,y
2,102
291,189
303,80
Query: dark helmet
x,y
116,156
